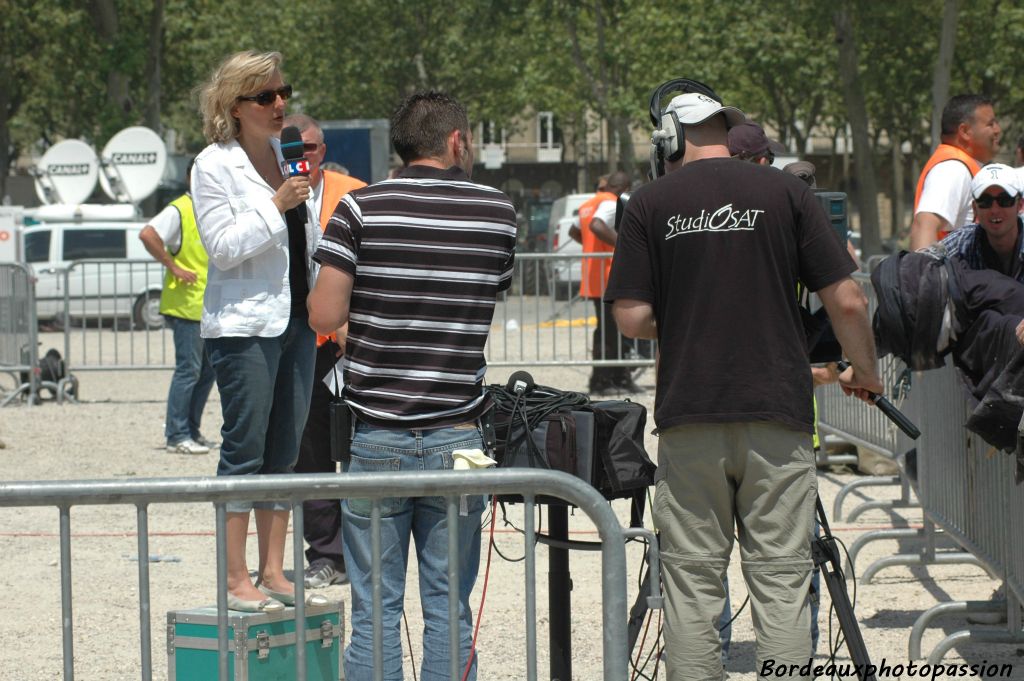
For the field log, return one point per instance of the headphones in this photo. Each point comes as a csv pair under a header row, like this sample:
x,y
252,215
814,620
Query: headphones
x,y
668,141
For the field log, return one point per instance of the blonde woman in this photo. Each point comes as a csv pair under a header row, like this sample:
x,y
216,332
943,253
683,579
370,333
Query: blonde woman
x,y
254,311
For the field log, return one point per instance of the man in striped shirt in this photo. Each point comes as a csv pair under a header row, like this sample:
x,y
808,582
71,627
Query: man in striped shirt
x,y
414,265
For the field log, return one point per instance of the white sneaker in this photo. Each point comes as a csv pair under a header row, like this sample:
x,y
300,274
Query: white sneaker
x,y
322,572
188,447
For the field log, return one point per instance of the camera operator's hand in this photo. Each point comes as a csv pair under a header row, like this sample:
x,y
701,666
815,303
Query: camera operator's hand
x,y
860,385
292,192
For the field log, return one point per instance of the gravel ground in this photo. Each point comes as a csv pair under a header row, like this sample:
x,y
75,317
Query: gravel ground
x,y
117,433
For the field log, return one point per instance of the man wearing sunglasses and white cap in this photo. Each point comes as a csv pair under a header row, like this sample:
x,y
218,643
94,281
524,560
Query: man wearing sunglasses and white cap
x,y
994,242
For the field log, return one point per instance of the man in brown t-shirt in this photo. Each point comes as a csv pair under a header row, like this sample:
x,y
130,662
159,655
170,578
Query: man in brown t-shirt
x,y
707,261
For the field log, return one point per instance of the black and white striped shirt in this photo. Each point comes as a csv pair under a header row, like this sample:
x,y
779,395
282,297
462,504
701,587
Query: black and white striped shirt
x,y
430,251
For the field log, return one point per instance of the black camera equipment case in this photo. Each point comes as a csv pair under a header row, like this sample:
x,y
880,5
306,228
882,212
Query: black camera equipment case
x,y
602,443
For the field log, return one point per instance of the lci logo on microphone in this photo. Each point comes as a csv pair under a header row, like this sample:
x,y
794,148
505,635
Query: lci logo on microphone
x,y
296,167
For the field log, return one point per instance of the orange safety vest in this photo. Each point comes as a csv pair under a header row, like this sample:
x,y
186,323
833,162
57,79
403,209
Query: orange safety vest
x,y
944,152
595,271
336,186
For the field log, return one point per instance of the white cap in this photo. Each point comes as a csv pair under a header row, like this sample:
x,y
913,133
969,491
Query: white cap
x,y
996,175
693,108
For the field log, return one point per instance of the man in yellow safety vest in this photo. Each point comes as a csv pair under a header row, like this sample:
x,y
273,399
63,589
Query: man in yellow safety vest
x,y
173,240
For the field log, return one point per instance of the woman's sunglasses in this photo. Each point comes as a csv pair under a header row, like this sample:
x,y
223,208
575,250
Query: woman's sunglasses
x,y
1004,200
268,97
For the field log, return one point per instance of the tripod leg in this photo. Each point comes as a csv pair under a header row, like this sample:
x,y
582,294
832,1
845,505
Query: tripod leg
x,y
826,557
848,624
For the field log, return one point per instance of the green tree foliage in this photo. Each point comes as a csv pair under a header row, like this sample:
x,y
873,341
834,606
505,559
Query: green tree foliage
x,y
86,68
989,36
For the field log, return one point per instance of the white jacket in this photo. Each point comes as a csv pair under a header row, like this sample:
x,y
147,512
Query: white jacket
x,y
247,290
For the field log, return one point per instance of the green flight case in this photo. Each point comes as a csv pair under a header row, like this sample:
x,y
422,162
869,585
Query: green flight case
x,y
261,646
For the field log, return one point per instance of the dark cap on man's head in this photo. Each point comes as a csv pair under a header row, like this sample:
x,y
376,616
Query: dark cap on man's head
x,y
748,140
805,170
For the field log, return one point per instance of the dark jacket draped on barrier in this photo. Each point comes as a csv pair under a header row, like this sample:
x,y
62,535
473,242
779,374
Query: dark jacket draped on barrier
x,y
929,308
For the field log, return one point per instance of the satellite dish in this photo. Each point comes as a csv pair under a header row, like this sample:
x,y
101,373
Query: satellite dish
x,y
133,164
66,173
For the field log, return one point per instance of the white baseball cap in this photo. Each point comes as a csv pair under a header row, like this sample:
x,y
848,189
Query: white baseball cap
x,y
693,108
996,175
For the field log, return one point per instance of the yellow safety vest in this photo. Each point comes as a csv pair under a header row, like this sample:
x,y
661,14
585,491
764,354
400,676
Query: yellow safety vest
x,y
179,299
800,291
817,437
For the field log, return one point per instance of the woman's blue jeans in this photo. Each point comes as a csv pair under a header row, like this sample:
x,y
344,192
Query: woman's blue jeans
x,y
425,520
264,385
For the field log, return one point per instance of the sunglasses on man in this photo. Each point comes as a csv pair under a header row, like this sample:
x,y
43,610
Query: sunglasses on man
x,y
1004,200
267,97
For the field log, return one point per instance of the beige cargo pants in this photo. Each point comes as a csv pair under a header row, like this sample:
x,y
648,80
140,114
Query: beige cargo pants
x,y
758,477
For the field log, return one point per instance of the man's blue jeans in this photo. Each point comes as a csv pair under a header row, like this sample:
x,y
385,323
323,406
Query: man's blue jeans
x,y
191,383
424,519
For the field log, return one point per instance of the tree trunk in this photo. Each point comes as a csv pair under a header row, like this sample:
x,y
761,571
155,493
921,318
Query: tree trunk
x,y
7,111
104,15
898,202
943,67
153,65
853,95
627,152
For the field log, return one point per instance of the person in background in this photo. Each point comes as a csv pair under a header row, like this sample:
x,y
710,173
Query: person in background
x,y
805,170
994,242
748,142
574,228
322,517
970,139
598,232
172,238
254,311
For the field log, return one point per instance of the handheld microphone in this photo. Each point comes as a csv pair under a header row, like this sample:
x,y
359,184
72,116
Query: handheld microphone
x,y
520,383
295,162
889,409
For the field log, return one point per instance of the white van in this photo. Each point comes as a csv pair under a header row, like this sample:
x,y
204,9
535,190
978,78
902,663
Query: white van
x,y
128,290
565,275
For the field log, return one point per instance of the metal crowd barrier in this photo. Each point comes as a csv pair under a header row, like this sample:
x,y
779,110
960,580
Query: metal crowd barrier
x,y
859,424
542,321
19,343
967,487
109,311
376,486
867,427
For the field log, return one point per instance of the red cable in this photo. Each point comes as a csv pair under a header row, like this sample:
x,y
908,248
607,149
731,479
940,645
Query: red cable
x,y
483,593
661,650
643,641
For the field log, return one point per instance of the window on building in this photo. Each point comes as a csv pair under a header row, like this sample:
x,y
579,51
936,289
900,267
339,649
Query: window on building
x,y
546,133
490,133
